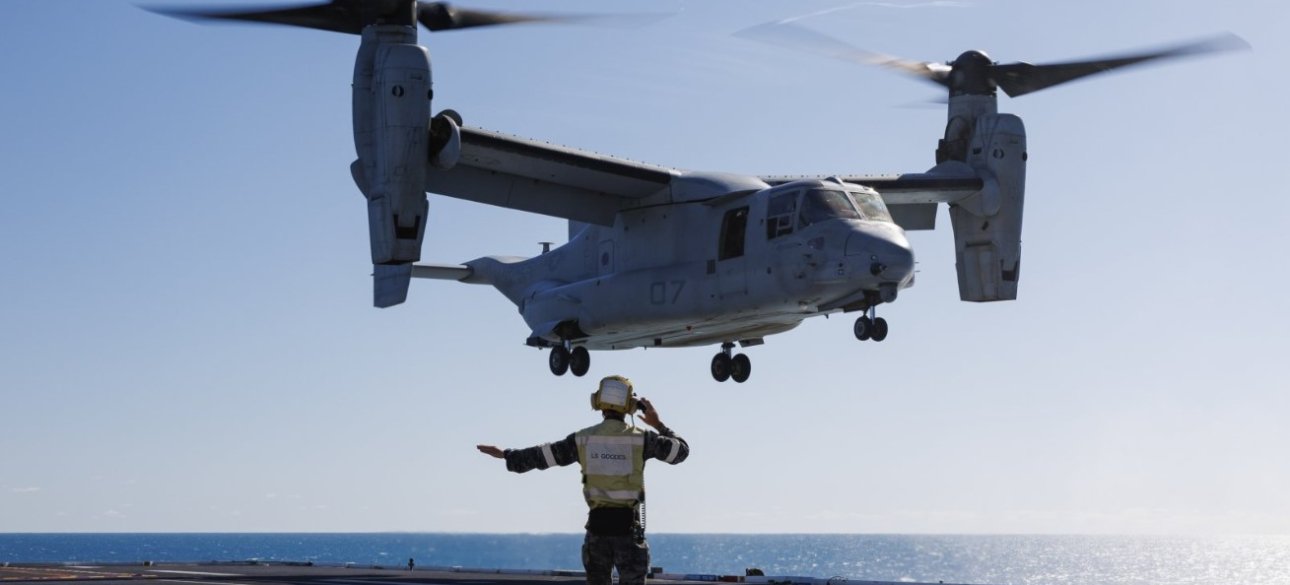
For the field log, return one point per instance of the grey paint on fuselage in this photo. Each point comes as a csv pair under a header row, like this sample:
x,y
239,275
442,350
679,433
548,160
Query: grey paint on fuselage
x,y
656,278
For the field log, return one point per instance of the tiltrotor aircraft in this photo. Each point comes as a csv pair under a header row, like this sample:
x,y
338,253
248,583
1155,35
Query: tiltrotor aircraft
x,y
663,257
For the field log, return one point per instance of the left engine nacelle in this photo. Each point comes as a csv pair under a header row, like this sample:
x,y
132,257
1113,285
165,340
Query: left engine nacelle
x,y
391,135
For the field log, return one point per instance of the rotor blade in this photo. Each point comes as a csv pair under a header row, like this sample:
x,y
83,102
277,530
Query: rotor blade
x,y
1018,79
786,34
338,16
439,16
937,102
347,16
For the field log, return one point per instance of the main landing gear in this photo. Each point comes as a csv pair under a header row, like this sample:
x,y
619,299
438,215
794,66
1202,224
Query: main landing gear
x,y
564,359
871,326
726,366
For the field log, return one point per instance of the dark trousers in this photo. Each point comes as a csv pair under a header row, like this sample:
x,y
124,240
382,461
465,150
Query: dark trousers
x,y
601,554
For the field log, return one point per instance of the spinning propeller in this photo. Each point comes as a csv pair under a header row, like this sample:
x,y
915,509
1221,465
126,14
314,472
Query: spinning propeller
x,y
350,16
973,73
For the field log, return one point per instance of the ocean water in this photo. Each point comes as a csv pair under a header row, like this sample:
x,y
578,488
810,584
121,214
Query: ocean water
x,y
997,560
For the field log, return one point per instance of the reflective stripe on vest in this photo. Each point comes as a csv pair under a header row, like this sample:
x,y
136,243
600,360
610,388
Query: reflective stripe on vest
x,y
612,456
624,495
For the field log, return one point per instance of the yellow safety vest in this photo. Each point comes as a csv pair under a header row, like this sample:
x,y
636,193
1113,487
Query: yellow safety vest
x,y
612,456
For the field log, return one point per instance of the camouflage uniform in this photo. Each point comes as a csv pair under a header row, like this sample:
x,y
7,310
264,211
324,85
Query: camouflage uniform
x,y
615,536
600,554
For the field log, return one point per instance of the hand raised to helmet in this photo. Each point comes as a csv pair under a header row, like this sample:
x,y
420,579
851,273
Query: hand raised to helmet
x,y
649,415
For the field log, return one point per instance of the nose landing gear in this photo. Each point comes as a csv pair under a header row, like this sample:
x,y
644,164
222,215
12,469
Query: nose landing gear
x,y
726,366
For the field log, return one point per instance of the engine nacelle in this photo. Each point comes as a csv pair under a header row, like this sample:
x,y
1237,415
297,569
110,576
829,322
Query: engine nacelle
x,y
987,225
391,135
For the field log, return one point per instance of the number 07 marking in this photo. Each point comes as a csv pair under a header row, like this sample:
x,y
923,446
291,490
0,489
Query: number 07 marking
x,y
659,292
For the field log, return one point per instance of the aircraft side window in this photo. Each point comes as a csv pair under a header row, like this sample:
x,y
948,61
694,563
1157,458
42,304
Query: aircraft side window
x,y
734,228
780,214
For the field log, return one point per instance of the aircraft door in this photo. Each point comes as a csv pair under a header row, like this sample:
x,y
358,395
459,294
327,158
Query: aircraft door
x,y
732,265
605,259
788,254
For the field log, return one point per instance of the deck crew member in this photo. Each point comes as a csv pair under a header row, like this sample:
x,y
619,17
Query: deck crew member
x,y
612,455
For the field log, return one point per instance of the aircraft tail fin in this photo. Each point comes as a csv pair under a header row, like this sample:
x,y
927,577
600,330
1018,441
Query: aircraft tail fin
x,y
575,228
390,284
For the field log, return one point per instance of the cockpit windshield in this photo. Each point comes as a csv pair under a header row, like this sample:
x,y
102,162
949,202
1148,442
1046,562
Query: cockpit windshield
x,y
824,204
800,208
871,205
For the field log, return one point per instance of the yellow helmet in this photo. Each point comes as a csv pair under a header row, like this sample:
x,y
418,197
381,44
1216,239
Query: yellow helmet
x,y
615,393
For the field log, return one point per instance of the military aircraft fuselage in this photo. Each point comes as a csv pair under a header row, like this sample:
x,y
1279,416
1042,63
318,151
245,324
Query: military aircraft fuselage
x,y
749,262
658,256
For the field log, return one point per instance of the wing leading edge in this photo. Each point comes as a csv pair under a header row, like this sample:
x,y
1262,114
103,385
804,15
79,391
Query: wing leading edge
x,y
528,175
538,177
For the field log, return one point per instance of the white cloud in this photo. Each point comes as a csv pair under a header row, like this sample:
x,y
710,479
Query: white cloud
x,y
24,490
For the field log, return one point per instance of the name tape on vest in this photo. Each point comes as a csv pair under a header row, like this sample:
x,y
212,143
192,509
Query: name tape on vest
x,y
608,459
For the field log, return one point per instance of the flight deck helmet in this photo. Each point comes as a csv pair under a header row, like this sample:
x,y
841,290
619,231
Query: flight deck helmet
x,y
615,393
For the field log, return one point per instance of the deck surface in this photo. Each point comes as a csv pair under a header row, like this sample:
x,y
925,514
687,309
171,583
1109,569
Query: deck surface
x,y
254,573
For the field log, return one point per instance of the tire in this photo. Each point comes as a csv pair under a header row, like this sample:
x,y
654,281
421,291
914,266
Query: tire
x,y
721,366
579,361
559,360
740,368
863,328
879,329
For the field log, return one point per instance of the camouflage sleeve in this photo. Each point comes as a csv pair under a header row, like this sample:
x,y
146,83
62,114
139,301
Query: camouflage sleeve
x,y
543,456
666,446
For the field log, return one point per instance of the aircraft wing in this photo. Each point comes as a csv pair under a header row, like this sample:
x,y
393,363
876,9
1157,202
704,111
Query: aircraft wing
x,y
528,175
911,197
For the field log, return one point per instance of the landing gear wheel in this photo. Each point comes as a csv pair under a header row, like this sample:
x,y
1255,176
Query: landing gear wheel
x,y
879,329
579,361
864,328
721,366
740,368
559,360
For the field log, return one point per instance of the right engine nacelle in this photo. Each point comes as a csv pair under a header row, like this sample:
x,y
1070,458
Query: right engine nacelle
x,y
987,225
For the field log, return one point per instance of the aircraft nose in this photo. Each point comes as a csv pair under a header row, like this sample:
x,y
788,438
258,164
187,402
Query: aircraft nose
x,y
888,253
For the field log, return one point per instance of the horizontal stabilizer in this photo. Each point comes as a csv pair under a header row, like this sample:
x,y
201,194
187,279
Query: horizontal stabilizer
x,y
442,271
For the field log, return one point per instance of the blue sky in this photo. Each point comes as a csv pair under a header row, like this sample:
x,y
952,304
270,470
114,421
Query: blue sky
x,y
187,341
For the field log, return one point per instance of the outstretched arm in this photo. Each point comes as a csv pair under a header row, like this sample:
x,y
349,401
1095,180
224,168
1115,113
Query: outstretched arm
x,y
544,456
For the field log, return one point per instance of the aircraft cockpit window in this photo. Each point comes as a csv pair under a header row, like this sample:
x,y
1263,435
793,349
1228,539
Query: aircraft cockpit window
x,y
779,214
871,206
824,204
